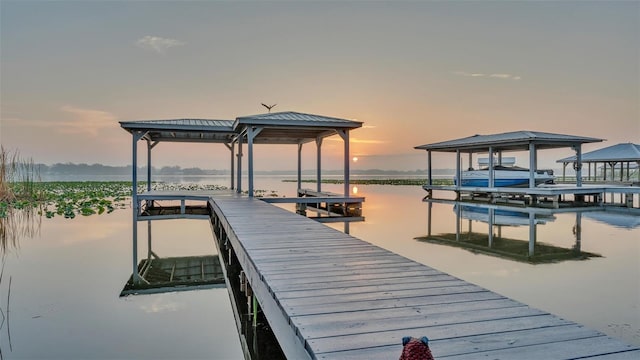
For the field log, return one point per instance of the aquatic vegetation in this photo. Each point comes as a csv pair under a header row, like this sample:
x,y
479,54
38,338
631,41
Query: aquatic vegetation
x,y
72,198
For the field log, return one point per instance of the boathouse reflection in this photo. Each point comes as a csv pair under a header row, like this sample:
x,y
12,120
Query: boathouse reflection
x,y
168,274
492,241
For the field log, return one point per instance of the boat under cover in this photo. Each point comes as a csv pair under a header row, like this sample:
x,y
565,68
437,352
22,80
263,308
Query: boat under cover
x,y
504,176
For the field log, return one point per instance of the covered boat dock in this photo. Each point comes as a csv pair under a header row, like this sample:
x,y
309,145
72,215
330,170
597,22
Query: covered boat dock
x,y
532,141
619,157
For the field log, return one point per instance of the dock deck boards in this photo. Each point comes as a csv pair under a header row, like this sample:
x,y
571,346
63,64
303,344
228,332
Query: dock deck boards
x,y
329,295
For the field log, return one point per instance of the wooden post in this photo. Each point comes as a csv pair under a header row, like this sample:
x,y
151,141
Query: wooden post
x,y
532,165
299,166
319,164
250,162
239,170
491,221
149,165
232,148
578,149
136,135
429,173
344,134
458,172
532,233
492,180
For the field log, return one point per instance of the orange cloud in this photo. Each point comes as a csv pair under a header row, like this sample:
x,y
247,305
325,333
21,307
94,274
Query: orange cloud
x,y
86,121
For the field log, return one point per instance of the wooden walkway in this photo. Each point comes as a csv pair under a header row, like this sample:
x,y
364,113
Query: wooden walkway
x,y
328,295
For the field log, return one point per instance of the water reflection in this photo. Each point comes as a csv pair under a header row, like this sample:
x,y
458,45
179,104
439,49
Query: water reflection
x,y
168,274
616,219
18,224
489,238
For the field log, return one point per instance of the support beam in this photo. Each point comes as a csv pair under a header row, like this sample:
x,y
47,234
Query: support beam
x,y
491,222
252,132
344,134
532,165
458,172
232,149
239,170
299,165
532,234
136,136
319,164
578,149
492,176
429,172
150,146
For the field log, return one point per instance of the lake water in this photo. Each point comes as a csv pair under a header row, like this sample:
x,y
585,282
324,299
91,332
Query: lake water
x,y
61,281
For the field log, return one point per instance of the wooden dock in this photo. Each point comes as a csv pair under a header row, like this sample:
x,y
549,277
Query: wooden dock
x,y
542,195
328,295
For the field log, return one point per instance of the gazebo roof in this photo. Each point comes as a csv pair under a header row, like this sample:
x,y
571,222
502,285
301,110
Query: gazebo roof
x,y
183,130
614,153
293,127
277,128
509,141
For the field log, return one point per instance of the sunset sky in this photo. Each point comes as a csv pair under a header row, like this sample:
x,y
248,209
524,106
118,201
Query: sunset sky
x,y
413,72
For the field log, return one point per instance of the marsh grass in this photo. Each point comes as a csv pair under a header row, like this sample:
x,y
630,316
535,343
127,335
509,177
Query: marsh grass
x,y
18,178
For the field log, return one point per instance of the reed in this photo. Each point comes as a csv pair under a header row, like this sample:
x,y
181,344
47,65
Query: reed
x,y
18,178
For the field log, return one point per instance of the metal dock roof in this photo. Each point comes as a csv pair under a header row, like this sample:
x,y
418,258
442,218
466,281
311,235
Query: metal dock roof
x,y
618,152
277,128
510,141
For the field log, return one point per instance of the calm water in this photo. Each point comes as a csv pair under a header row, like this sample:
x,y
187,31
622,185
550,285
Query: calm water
x,y
65,280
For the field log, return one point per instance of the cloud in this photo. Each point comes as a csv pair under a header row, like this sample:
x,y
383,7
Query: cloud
x,y
86,121
158,44
482,75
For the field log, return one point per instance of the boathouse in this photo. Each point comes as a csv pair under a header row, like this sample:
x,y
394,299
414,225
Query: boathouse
x,y
620,158
531,141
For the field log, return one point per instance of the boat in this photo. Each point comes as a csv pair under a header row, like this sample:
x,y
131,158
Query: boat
x,y
504,176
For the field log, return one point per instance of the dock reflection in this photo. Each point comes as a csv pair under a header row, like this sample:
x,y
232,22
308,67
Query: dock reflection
x,y
168,274
490,240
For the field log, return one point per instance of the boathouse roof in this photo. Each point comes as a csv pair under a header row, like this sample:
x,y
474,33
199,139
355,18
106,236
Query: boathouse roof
x,y
275,128
614,153
509,141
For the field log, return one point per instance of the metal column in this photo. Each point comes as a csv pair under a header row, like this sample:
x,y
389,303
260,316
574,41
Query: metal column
x,y
318,164
532,165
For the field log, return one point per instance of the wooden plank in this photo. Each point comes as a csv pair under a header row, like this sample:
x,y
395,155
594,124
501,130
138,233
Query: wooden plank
x,y
452,319
286,288
368,287
574,349
374,263
345,318
473,344
394,337
626,355
461,295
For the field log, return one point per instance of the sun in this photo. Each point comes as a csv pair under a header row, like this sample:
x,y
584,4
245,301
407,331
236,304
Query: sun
x,y
355,159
